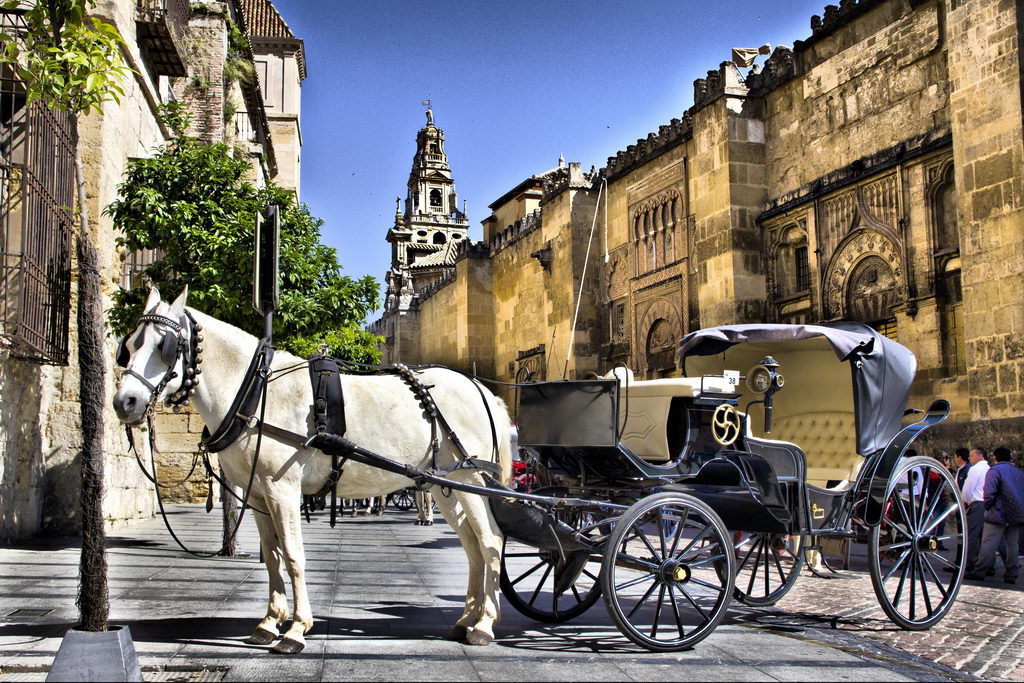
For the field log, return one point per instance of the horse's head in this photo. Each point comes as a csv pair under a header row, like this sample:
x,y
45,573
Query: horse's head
x,y
159,358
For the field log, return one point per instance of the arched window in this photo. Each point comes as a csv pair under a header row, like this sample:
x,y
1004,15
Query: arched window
x,y
947,235
439,238
435,199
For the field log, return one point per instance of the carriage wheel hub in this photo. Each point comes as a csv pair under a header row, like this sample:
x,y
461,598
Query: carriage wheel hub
x,y
673,572
927,544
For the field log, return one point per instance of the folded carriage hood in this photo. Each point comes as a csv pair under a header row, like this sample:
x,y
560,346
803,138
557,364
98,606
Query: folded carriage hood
x,y
882,369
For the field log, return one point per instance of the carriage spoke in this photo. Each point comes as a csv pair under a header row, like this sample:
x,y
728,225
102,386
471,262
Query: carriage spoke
x,y
898,528
893,546
576,594
935,577
950,510
945,561
675,608
714,558
633,582
643,537
636,608
679,531
661,531
949,537
753,571
903,509
778,565
530,571
892,569
701,534
712,586
540,584
914,511
747,557
924,586
931,508
913,587
899,587
591,576
657,611
694,603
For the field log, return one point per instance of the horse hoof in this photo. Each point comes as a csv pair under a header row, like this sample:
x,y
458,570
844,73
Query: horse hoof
x,y
428,523
261,637
476,637
458,633
287,646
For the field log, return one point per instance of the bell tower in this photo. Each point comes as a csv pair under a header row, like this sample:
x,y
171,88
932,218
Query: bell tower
x,y
426,233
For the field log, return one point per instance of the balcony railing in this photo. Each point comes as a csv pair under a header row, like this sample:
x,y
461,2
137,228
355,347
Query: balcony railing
x,y
161,25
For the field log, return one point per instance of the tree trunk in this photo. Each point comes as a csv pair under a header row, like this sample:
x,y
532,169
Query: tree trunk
x,y
231,510
93,599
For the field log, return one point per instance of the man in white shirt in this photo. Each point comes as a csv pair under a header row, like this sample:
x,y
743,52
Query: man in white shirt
x,y
974,500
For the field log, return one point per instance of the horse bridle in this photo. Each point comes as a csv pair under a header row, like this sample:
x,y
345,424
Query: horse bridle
x,y
176,344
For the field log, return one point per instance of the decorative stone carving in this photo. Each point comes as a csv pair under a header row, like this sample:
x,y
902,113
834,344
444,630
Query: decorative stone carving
x,y
659,331
862,246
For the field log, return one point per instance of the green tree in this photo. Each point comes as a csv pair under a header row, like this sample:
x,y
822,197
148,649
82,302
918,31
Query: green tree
x,y
72,62
192,201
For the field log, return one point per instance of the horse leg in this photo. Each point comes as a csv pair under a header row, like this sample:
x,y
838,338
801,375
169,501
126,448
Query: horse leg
x,y
487,552
277,608
283,505
468,515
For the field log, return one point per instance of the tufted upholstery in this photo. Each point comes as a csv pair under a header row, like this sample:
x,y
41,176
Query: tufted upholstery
x,y
828,440
645,431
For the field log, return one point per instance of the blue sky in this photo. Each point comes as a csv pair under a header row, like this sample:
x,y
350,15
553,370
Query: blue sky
x,y
513,85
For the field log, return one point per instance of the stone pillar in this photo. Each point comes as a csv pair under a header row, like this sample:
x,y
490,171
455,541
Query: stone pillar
x,y
203,89
729,192
984,58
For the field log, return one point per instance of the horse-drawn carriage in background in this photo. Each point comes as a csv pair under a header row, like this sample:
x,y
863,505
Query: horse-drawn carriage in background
x,y
713,501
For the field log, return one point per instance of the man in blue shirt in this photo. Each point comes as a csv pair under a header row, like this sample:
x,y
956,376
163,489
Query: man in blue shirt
x,y
1004,516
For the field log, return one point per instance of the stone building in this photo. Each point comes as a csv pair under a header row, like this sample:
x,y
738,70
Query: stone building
x,y
175,52
871,172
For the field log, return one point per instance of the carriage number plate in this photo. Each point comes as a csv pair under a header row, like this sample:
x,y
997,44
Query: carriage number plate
x,y
732,378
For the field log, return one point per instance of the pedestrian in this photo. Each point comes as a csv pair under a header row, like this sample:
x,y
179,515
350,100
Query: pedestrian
x,y
974,501
960,461
1004,517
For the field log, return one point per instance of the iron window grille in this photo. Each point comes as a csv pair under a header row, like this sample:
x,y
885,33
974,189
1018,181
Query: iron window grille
x,y
36,221
803,270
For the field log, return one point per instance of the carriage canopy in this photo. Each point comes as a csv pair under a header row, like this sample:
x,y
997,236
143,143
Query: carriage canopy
x,y
874,388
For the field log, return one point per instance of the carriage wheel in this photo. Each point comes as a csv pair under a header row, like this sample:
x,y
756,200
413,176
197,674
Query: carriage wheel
x,y
529,575
920,537
668,572
403,499
767,566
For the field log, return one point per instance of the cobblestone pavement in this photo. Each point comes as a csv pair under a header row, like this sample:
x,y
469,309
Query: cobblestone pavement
x,y
983,634
385,593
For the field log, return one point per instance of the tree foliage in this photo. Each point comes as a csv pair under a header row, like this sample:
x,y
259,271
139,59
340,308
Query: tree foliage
x,y
192,201
69,61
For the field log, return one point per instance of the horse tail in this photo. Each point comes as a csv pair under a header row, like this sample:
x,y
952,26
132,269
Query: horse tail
x,y
504,438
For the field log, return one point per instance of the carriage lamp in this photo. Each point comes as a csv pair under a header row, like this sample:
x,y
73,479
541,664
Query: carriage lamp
x,y
764,378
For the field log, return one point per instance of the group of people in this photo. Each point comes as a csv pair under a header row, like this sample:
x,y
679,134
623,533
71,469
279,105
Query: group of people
x,y
994,498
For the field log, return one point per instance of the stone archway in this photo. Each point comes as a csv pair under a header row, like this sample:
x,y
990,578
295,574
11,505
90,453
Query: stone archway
x,y
867,261
870,290
658,333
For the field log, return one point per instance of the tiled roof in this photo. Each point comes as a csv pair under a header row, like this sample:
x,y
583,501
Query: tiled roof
x,y
444,256
264,21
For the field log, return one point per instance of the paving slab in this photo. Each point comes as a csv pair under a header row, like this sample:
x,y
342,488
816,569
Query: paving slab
x,y
385,594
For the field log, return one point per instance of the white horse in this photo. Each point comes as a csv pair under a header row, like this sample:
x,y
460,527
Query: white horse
x,y
383,416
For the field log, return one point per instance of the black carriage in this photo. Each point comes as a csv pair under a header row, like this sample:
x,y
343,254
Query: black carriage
x,y
671,497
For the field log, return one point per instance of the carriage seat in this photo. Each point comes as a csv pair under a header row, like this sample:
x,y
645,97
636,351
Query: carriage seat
x,y
828,440
646,427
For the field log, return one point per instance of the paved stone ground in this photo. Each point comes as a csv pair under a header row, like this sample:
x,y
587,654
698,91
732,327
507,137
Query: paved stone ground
x,y
385,592
983,634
